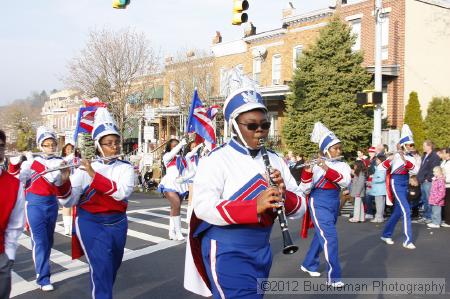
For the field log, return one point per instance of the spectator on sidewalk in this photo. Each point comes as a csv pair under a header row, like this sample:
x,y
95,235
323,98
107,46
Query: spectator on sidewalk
x,y
437,195
378,189
358,191
445,165
425,175
414,195
369,199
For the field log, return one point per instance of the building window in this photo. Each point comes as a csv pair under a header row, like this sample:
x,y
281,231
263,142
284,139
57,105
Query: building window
x,y
223,84
296,53
172,93
384,35
208,85
183,93
276,69
257,70
273,118
356,31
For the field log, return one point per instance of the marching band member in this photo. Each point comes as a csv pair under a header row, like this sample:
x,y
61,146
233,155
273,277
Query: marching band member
x,y
398,167
12,202
67,153
174,191
192,159
230,227
328,178
100,191
41,207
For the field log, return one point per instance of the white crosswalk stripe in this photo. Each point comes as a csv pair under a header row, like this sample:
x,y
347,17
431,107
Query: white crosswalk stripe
x,y
72,268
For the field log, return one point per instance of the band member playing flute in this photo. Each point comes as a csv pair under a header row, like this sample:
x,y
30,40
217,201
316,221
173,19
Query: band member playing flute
x,y
328,178
100,190
42,193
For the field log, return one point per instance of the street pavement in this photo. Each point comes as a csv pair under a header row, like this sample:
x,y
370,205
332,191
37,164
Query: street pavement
x,y
153,266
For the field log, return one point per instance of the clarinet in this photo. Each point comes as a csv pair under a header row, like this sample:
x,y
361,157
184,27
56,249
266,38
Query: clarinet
x,y
288,246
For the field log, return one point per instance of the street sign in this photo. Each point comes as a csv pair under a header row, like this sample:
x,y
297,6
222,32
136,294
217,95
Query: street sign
x,y
149,132
149,113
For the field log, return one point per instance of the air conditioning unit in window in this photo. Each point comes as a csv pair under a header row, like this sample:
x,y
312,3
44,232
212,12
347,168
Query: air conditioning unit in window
x,y
276,81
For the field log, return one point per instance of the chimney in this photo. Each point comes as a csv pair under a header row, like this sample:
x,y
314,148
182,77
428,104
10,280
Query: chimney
x,y
217,39
168,60
289,10
190,54
250,30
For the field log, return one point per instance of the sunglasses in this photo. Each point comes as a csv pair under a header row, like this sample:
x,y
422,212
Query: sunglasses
x,y
255,126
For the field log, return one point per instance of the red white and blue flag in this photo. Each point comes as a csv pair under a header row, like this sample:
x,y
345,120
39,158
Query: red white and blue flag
x,y
200,120
85,121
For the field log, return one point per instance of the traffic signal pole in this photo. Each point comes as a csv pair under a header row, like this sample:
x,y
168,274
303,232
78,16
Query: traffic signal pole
x,y
377,114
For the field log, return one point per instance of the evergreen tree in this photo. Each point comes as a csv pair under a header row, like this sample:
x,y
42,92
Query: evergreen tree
x,y
87,146
413,117
324,89
437,122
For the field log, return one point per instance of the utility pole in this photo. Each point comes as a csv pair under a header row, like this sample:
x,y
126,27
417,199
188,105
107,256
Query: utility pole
x,y
376,135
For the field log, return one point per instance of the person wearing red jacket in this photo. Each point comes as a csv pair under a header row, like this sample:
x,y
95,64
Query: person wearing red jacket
x,y
12,202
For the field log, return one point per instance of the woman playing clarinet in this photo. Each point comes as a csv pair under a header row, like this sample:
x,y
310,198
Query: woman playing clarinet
x,y
233,204
100,191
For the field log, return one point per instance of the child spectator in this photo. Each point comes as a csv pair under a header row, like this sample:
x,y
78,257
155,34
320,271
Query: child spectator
x,y
437,195
378,189
414,195
357,191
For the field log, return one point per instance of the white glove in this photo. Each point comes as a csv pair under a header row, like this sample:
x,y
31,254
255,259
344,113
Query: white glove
x,y
15,160
179,180
183,141
52,177
29,156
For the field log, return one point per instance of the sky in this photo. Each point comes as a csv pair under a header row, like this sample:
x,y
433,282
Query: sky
x,y
39,38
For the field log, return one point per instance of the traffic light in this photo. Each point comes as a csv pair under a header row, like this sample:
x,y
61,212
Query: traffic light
x,y
239,16
369,98
120,4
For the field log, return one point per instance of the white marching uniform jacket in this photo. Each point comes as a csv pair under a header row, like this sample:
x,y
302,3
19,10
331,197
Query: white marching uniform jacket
x,y
175,166
108,191
47,184
338,175
226,185
397,166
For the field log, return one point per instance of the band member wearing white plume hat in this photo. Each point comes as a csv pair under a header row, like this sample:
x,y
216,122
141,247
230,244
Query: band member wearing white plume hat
x,y
328,178
42,192
228,246
399,166
100,191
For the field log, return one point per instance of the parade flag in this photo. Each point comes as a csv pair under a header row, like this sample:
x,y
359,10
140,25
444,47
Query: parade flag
x,y
94,102
85,121
200,120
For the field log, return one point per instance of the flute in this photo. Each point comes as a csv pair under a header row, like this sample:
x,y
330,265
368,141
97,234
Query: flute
x,y
288,246
315,161
78,164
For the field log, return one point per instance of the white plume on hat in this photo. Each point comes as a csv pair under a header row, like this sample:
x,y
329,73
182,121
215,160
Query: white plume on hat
x,y
406,136
323,136
104,124
43,133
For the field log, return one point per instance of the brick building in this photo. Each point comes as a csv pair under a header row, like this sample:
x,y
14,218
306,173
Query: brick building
x,y
414,44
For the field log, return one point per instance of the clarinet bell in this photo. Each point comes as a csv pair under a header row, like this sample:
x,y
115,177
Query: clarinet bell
x,y
288,246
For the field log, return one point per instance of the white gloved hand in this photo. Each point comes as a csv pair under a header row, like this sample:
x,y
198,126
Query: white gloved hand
x,y
183,141
15,160
179,180
29,156
52,177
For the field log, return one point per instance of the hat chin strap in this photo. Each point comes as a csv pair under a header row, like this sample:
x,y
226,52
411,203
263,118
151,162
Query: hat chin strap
x,y
97,146
236,128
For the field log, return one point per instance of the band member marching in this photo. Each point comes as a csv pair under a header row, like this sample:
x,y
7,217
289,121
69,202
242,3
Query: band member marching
x,y
328,178
174,191
41,207
228,246
67,153
399,166
100,191
12,202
